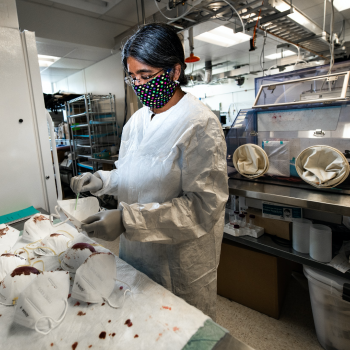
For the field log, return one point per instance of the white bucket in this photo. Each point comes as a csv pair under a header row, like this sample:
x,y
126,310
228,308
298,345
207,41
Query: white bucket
x,y
331,313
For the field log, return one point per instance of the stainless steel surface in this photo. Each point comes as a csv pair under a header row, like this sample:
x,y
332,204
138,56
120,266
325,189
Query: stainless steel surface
x,y
327,77
311,199
267,245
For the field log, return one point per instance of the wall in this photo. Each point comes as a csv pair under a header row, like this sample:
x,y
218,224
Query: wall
x,y
104,77
226,94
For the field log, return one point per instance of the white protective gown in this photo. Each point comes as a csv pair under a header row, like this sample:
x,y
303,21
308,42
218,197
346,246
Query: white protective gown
x,y
171,181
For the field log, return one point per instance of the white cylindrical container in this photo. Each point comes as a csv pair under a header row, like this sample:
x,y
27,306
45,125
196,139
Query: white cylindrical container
x,y
301,235
321,243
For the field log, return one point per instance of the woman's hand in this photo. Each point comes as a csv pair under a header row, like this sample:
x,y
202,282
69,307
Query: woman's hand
x,y
86,182
107,225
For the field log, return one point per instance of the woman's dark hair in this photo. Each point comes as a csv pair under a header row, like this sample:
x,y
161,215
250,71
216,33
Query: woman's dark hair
x,y
157,45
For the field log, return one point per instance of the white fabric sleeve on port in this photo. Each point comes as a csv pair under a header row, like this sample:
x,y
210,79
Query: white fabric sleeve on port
x,y
205,191
110,182
322,166
250,159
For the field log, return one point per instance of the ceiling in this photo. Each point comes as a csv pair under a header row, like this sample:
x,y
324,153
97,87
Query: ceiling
x,y
74,57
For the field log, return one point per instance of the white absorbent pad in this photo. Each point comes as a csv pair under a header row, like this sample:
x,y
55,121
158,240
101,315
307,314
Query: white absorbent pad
x,y
8,238
322,166
250,160
279,157
77,211
151,318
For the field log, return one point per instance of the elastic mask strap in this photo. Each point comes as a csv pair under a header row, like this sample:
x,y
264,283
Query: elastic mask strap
x,y
40,247
29,244
28,259
69,244
52,321
35,262
71,236
116,306
59,259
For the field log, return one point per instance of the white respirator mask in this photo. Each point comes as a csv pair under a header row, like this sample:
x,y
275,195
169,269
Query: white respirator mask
x,y
8,238
43,304
75,256
15,282
54,244
37,228
95,279
8,262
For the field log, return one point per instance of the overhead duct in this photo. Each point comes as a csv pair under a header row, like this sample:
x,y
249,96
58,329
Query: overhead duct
x,y
208,72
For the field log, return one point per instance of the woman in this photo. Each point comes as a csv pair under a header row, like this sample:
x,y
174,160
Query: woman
x,y
171,178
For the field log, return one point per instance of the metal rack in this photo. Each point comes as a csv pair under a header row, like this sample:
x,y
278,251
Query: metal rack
x,y
93,124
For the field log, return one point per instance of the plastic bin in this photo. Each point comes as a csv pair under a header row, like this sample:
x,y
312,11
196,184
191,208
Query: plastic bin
x,y
331,313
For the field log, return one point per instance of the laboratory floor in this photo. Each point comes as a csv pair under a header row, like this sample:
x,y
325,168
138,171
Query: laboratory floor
x,y
293,331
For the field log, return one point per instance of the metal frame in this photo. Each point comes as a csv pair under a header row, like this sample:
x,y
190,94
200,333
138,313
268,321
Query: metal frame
x,y
321,77
92,111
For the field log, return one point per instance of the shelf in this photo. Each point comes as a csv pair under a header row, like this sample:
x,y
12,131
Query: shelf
x,y
76,115
99,115
96,136
85,165
104,161
92,122
311,199
98,160
267,245
87,146
79,126
96,145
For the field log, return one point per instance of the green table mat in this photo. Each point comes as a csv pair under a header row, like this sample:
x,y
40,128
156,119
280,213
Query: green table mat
x,y
206,337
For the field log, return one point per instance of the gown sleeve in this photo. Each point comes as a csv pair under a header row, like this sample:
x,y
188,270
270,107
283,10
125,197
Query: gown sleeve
x,y
203,198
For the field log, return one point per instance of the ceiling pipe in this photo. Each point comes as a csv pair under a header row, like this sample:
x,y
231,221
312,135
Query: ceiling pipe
x,y
208,72
143,12
192,57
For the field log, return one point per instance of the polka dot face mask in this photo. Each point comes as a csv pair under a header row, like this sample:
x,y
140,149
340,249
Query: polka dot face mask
x,y
157,92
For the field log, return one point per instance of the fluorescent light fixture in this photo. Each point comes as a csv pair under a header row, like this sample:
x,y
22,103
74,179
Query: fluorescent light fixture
x,y
47,61
298,17
285,53
341,5
223,36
